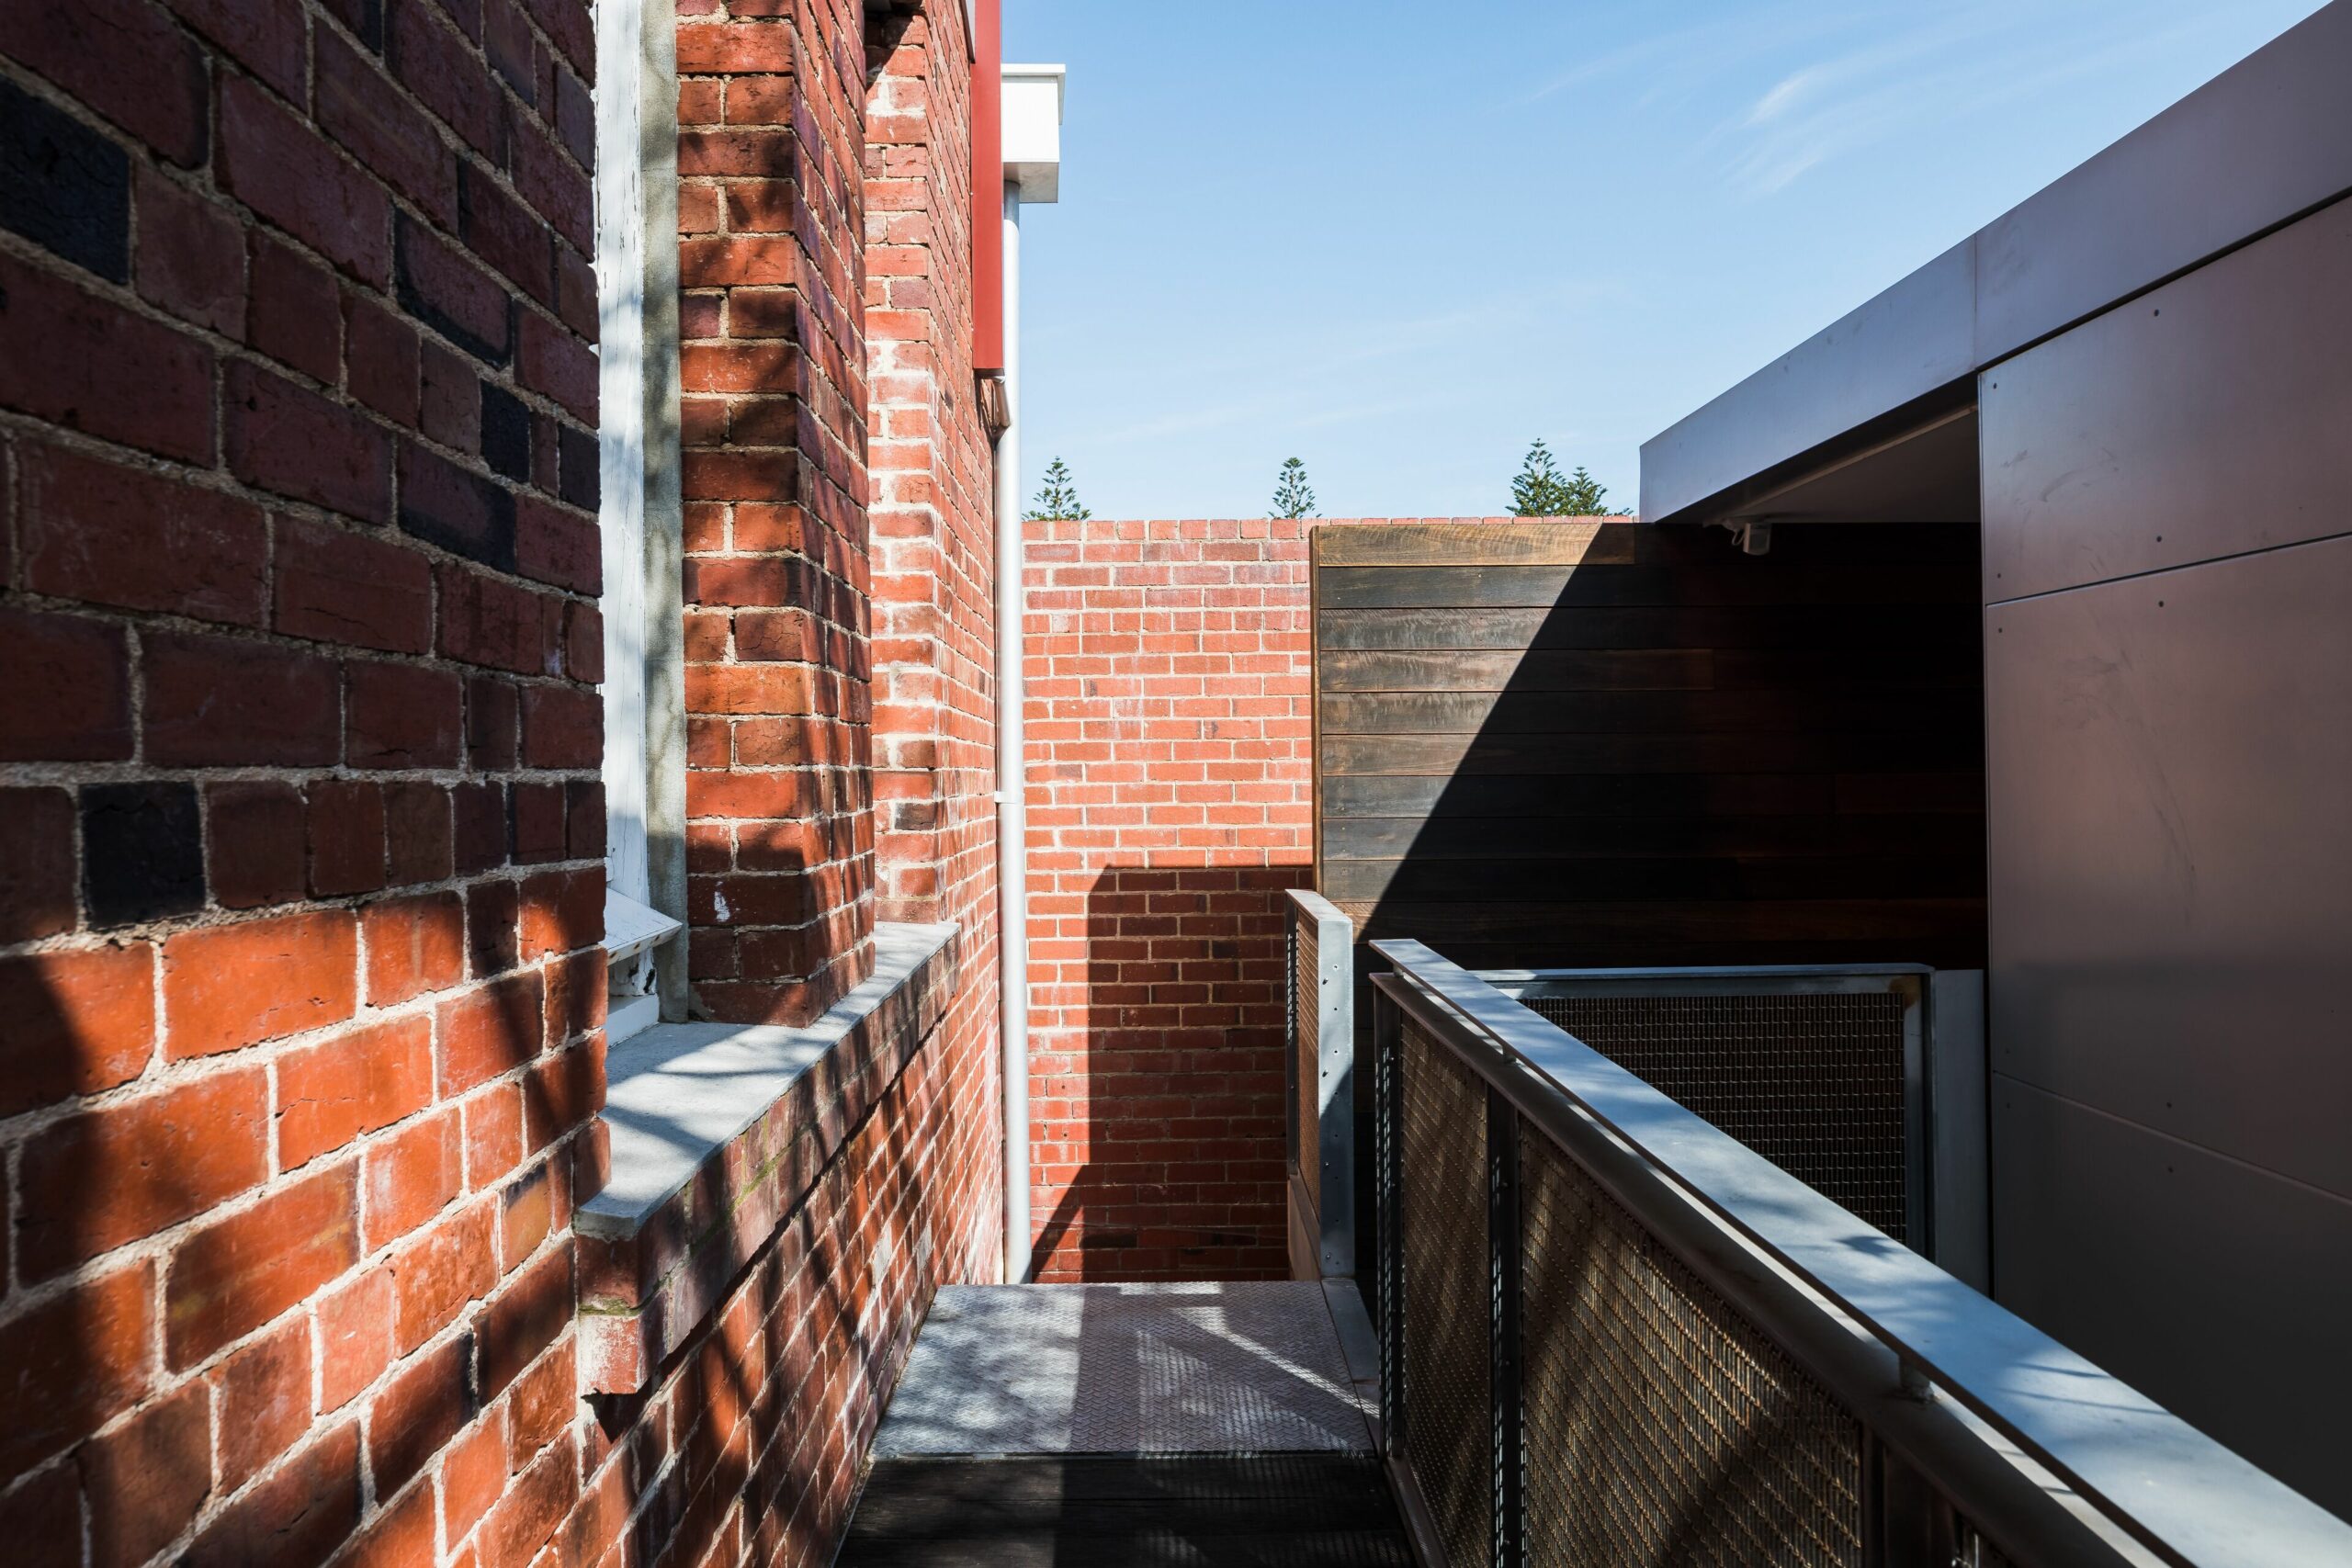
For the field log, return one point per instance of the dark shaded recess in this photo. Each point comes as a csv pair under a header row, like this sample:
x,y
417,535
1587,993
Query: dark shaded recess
x,y
142,851
62,185
1295,1510
505,433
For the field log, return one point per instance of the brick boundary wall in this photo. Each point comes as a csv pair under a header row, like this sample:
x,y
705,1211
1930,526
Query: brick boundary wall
x,y
1169,807
1170,804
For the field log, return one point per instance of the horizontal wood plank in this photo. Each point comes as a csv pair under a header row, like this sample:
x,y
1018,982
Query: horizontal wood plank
x,y
1494,672
1858,628
1666,712
1627,922
1450,837
1754,752
1709,877
1549,542
1565,587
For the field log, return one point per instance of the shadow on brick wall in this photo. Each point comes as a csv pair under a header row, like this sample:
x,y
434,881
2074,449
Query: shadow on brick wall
x,y
1158,1127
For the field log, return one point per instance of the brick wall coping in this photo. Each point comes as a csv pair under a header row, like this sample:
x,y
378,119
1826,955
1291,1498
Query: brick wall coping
x,y
677,1094
716,1134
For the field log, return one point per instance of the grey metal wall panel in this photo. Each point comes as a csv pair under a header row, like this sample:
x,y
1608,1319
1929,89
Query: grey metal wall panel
x,y
2212,1288
2169,763
2210,417
1888,351
2267,139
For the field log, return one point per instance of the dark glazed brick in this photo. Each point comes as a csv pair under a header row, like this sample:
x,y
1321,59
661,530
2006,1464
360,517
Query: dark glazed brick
x,y
62,185
123,59
464,512
364,17
142,852
451,294
582,481
480,842
505,433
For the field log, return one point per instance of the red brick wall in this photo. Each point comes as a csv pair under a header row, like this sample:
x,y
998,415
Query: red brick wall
x,y
749,1441
932,542
300,820
932,526
780,837
1169,805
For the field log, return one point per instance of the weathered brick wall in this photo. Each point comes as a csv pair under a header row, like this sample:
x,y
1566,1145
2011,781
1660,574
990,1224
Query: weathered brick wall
x,y
1170,788
747,1445
780,838
747,1442
932,541
933,533
300,821
301,829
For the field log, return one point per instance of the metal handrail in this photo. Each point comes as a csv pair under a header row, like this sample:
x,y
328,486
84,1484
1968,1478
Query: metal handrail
x,y
1960,1386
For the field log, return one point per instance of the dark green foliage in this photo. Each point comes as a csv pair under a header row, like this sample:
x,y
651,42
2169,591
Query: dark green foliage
x,y
1540,491
1292,496
1058,499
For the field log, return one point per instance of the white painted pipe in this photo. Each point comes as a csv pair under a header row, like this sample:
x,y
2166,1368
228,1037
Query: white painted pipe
x,y
1011,781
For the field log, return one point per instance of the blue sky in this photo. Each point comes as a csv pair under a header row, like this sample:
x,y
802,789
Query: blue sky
x,y
1400,240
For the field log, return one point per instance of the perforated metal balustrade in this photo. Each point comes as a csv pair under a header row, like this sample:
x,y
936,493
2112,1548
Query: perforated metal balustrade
x,y
1814,1080
1660,1425
1612,1339
1445,1293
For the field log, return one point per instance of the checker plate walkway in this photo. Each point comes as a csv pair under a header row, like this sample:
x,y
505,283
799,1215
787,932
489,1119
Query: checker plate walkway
x,y
1192,1426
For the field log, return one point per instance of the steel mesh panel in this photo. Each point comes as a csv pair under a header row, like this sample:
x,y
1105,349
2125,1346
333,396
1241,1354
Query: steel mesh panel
x,y
1662,1427
1442,1194
1307,1043
1814,1083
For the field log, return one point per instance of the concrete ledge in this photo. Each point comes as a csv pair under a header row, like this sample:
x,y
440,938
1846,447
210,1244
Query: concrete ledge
x,y
715,1133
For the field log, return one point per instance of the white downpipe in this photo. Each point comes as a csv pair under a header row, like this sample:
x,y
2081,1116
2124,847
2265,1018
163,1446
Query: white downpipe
x,y
1011,779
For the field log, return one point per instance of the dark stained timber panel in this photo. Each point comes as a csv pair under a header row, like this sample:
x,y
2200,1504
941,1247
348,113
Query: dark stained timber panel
x,y
1448,1435
1661,1426
1588,744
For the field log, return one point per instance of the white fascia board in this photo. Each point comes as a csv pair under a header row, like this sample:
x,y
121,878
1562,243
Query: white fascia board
x,y
1032,115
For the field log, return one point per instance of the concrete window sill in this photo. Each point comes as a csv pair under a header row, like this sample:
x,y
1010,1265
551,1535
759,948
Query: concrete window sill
x,y
715,1131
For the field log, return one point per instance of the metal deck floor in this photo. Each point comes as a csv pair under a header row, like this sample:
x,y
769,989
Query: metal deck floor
x,y
1194,1426
1212,1368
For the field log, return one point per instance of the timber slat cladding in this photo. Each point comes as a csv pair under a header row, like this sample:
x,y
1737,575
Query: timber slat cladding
x,y
1596,743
